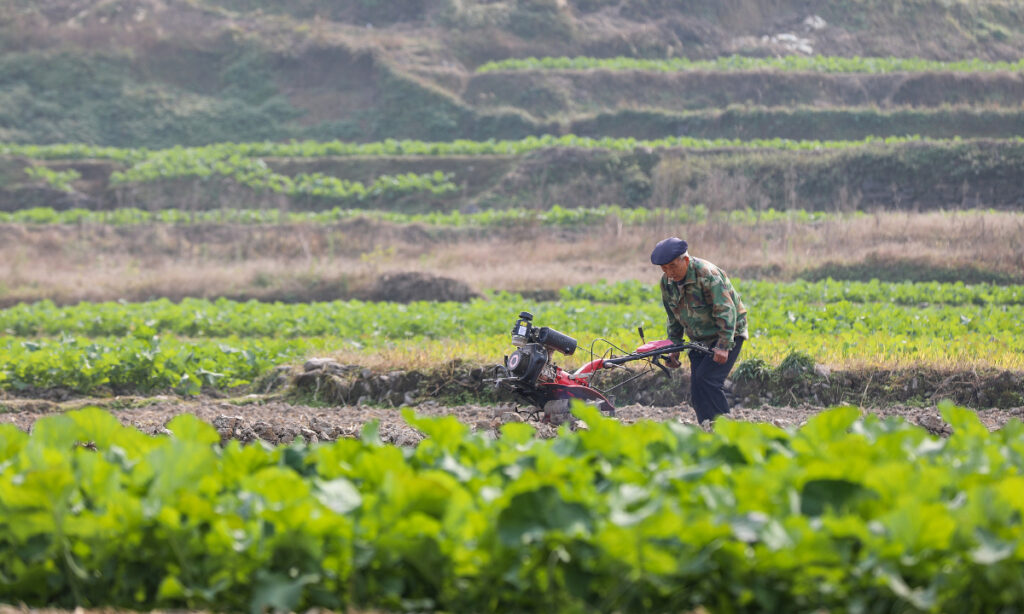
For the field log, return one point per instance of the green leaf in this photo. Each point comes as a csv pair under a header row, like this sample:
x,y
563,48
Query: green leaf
x,y
12,440
95,425
991,549
445,432
278,593
339,495
461,472
177,467
58,432
170,588
830,424
516,433
188,427
370,435
818,496
967,427
631,504
920,598
529,516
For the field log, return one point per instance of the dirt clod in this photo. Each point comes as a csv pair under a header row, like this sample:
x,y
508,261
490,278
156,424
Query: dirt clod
x,y
415,286
278,422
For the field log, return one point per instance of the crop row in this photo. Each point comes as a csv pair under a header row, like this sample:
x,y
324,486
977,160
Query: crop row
x,y
165,346
187,366
845,514
827,306
804,121
59,180
554,216
191,156
142,365
254,173
786,63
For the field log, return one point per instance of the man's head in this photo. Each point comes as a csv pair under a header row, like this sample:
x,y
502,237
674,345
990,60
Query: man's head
x,y
671,255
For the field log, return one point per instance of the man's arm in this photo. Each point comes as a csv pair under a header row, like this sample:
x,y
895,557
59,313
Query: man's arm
x,y
673,329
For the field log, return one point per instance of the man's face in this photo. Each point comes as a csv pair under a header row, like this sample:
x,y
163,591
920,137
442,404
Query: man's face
x,y
676,270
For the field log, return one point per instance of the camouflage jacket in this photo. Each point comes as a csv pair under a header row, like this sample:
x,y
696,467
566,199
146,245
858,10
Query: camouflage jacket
x,y
705,306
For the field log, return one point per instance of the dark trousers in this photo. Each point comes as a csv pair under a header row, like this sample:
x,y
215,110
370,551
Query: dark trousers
x,y
706,380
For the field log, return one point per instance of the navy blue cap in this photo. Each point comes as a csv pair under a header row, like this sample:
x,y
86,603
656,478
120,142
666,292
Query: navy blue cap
x,y
668,250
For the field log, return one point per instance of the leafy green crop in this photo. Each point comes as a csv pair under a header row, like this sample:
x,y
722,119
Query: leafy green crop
x,y
195,156
848,513
252,172
142,363
555,216
910,308
160,345
60,180
787,63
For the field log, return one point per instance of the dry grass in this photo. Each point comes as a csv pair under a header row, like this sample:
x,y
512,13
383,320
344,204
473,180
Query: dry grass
x,y
75,263
427,355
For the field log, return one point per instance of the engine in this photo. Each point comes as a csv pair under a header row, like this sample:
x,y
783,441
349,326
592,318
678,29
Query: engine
x,y
531,362
530,374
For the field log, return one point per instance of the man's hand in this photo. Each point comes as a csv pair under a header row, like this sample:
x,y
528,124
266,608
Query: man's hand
x,y
672,361
721,355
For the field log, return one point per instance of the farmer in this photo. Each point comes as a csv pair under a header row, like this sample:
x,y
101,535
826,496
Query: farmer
x,y
700,301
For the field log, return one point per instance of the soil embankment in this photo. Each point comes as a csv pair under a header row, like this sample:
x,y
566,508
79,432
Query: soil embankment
x,y
325,400
278,422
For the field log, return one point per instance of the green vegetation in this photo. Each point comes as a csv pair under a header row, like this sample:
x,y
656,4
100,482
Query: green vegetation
x,y
232,86
48,97
361,12
912,270
161,345
803,122
208,156
253,173
822,307
908,172
141,363
787,63
555,216
205,71
846,513
60,180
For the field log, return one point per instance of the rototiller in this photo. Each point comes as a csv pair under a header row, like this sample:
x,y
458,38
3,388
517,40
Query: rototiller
x,y
531,376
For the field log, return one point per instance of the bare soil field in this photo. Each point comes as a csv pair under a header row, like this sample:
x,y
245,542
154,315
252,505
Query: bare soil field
x,y
275,420
68,264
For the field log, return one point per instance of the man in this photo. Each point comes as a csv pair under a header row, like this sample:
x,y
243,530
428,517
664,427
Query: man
x,y
700,301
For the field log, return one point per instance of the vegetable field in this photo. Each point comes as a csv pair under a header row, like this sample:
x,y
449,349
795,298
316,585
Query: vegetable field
x,y
844,513
160,346
794,63
224,157
555,216
898,171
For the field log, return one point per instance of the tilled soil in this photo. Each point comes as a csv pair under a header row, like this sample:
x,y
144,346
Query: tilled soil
x,y
278,421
